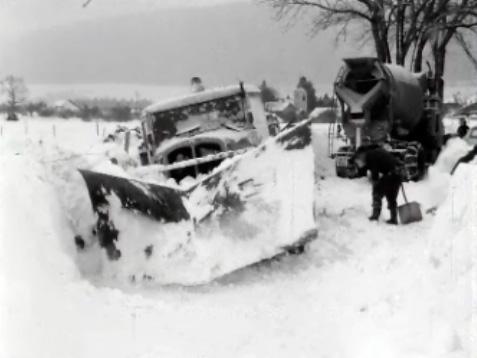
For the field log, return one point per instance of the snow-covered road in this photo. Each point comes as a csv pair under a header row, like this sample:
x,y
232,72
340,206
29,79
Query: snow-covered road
x,y
360,290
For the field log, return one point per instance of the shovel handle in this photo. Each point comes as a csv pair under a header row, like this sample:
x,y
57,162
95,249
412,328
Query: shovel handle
x,y
404,193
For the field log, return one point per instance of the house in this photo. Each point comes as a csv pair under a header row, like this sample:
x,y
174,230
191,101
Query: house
x,y
452,119
285,110
468,111
450,108
301,100
65,108
65,105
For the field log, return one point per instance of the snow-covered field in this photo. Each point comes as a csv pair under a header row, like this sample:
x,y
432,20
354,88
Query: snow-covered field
x,y
360,290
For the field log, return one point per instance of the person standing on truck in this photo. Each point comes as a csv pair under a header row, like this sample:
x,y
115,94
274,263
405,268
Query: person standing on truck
x,y
463,128
386,177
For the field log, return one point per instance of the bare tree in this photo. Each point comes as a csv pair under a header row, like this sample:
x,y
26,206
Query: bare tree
x,y
450,23
432,25
16,92
373,17
414,25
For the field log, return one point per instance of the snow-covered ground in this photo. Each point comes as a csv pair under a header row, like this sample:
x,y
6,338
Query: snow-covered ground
x,y
360,290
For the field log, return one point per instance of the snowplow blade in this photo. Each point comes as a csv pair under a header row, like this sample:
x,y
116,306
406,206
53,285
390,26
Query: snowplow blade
x,y
156,201
251,208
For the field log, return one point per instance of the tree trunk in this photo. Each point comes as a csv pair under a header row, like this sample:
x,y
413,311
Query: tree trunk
x,y
439,54
420,45
386,48
400,33
378,43
380,37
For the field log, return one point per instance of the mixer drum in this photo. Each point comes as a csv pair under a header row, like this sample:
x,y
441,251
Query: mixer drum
x,y
380,98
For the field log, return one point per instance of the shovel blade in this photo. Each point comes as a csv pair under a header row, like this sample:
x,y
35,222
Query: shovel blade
x,y
410,212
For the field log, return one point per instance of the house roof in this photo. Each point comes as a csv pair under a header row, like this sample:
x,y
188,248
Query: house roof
x,y
65,104
278,106
469,109
199,97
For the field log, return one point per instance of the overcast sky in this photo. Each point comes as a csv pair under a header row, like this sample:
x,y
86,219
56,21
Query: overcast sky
x,y
138,41
20,16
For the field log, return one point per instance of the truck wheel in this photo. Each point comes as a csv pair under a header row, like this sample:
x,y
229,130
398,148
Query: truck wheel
x,y
421,163
414,161
341,172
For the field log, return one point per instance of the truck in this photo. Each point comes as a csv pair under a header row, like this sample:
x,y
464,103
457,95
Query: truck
x,y
387,105
191,135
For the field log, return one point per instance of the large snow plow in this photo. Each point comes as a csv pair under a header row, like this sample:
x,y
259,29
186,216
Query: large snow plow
x,y
252,207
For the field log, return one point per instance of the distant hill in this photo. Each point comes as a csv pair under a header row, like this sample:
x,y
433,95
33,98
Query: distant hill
x,y
222,44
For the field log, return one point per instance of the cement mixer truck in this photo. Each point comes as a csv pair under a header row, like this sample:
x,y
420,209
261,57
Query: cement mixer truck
x,y
387,105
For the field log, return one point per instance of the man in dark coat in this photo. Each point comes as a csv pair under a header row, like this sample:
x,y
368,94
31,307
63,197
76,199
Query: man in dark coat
x,y
385,171
463,128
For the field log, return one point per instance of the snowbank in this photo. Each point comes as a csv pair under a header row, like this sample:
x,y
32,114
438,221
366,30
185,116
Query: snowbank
x,y
35,255
412,282
450,154
452,250
361,290
433,189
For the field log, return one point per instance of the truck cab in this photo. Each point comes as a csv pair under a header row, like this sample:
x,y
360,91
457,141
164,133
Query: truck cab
x,y
192,134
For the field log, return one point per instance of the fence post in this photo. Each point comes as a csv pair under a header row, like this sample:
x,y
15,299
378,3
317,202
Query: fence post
x,y
97,128
127,141
54,130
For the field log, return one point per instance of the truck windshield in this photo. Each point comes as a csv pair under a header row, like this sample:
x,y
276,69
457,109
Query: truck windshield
x,y
228,112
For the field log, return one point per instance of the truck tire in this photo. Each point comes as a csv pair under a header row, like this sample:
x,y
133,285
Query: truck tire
x,y
341,172
414,160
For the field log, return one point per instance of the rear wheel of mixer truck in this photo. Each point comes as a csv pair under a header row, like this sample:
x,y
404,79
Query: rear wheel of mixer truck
x,y
342,162
415,162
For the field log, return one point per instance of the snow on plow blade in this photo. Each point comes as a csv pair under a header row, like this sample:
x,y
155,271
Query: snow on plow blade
x,y
251,208
158,202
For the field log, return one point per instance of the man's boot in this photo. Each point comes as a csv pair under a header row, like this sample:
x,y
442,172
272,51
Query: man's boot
x,y
393,220
375,215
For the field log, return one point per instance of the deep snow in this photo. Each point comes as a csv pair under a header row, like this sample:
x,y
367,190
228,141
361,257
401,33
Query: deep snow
x,y
361,290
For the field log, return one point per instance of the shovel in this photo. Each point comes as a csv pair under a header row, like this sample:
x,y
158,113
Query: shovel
x,y
410,211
